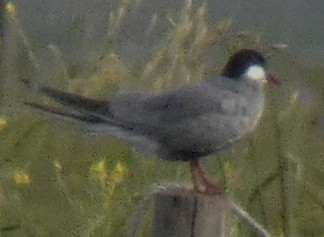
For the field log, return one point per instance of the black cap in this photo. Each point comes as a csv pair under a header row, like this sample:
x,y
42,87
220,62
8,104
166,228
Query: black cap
x,y
240,61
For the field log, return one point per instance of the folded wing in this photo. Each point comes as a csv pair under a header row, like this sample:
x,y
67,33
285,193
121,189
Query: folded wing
x,y
203,117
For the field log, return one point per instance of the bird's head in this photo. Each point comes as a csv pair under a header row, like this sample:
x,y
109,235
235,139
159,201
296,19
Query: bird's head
x,y
248,64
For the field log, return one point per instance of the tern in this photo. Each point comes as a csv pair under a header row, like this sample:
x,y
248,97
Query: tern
x,y
185,123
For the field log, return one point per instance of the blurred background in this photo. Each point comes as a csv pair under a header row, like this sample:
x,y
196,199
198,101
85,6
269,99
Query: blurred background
x,y
56,180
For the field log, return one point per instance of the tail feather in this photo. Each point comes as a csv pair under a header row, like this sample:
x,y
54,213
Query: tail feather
x,y
76,101
88,118
72,100
93,112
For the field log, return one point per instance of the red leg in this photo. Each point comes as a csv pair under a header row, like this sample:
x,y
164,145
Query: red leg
x,y
211,187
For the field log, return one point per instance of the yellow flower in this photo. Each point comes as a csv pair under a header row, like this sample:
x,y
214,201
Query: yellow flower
x,y
57,165
99,171
3,123
21,177
10,9
99,167
118,173
109,180
121,168
116,177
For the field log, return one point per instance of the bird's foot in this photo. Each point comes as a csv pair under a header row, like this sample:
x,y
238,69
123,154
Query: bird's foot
x,y
210,188
213,188
206,185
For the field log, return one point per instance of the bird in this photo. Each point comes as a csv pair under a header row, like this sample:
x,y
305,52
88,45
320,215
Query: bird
x,y
179,124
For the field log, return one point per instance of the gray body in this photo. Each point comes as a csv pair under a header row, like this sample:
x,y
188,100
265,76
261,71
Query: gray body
x,y
181,124
193,121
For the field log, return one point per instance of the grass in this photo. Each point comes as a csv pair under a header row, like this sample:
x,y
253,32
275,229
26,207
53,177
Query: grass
x,y
57,181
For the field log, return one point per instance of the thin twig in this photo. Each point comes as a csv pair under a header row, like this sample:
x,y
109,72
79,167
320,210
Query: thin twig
x,y
284,169
259,230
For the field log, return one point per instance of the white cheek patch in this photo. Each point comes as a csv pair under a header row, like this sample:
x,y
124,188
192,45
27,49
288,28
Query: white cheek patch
x,y
255,72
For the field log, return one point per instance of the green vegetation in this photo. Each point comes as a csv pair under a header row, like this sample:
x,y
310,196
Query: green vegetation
x,y
57,181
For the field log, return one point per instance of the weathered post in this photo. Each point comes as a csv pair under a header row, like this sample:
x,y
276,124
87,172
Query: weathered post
x,y
179,212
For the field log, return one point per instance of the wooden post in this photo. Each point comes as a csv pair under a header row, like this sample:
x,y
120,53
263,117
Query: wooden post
x,y
179,212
